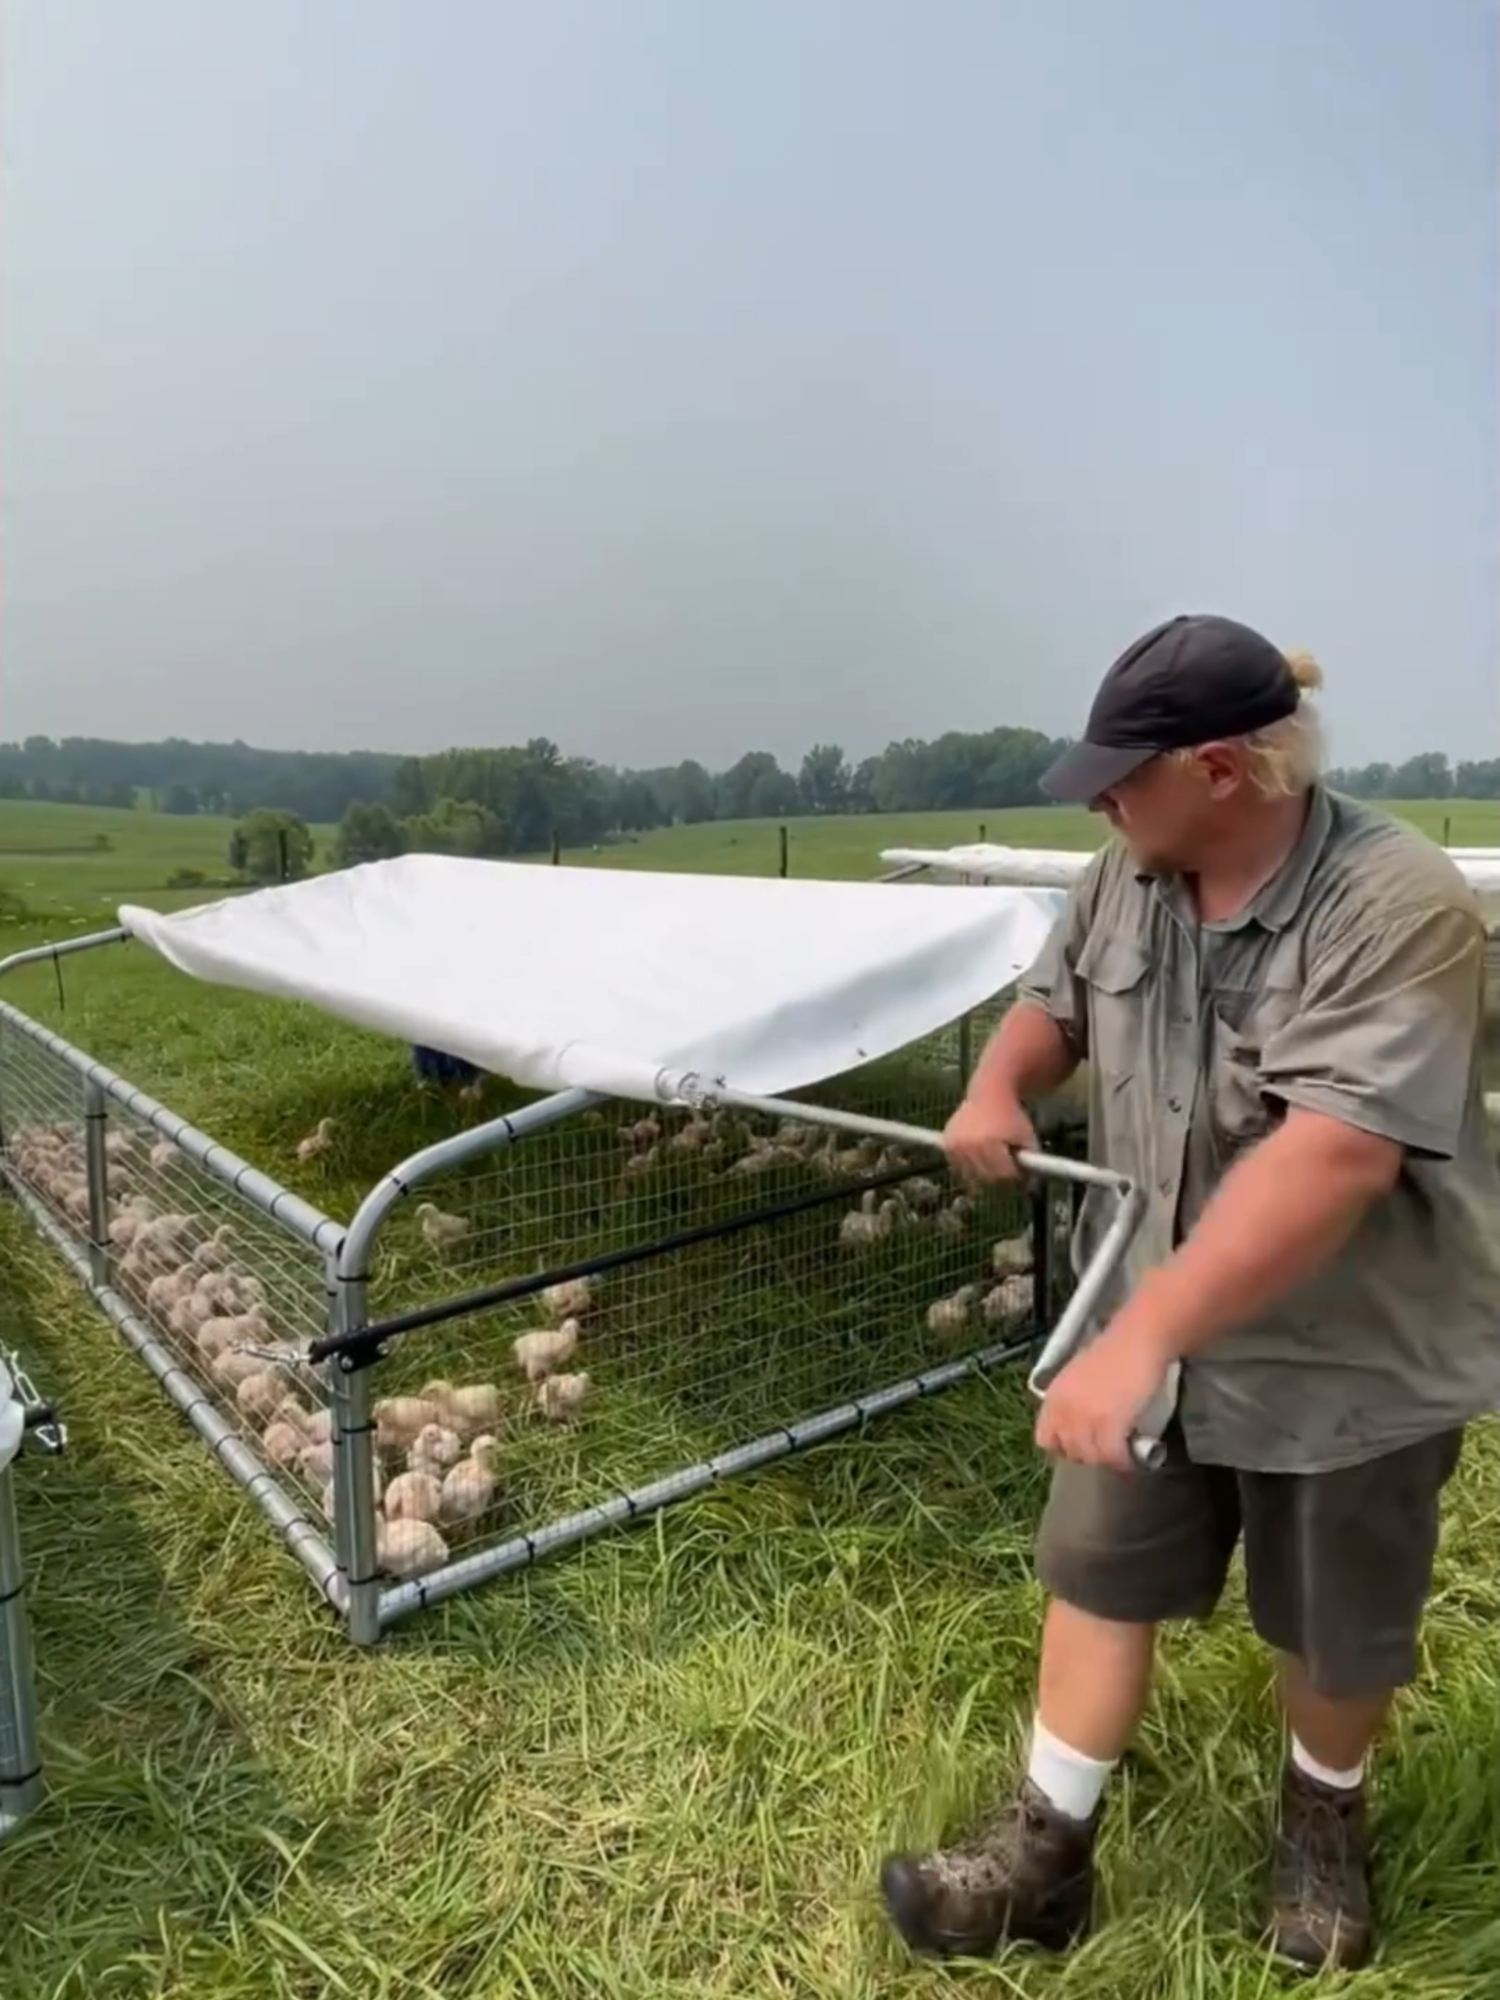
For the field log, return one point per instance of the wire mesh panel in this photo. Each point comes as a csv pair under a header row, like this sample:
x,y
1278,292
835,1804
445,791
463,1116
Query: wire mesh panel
x,y
759,1273
231,1294
227,1291
41,1127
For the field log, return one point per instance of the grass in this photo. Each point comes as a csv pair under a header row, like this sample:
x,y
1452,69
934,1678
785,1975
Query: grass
x,y
663,1768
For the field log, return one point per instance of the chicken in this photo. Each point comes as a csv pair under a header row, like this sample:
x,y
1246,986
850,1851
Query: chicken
x,y
470,1487
440,1231
317,1142
545,1351
561,1397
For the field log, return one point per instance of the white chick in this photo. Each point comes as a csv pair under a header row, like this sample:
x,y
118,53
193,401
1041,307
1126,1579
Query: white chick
x,y
951,1315
434,1449
124,1229
570,1300
543,1352
259,1395
214,1254
474,1408
283,1444
1010,1300
869,1222
315,1462
561,1397
317,1142
318,1426
399,1418
470,1487
954,1219
413,1496
409,1548
440,1231
1011,1257
233,1366
440,1394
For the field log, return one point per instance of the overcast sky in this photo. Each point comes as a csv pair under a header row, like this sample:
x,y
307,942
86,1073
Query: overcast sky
x,y
671,377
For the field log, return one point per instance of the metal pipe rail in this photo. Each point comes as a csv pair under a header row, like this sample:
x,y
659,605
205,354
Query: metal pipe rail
x,y
1094,1280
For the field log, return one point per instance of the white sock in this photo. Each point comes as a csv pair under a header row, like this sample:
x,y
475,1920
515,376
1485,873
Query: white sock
x,y
1073,1783
1336,1781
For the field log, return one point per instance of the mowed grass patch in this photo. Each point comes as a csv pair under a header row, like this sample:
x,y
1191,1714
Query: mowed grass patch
x,y
78,863
848,847
663,1767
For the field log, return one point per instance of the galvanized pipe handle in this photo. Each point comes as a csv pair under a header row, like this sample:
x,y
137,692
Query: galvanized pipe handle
x,y
1149,1453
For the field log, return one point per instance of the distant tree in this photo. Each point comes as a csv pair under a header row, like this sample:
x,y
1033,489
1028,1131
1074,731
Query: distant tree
x,y
239,851
862,785
368,832
178,798
456,826
1477,780
755,787
824,779
690,798
407,794
276,846
1427,776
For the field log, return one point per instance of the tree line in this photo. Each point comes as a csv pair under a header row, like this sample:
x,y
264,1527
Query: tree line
x,y
517,799
533,790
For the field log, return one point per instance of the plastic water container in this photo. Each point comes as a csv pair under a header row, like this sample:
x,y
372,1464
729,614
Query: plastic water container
x,y
20,1757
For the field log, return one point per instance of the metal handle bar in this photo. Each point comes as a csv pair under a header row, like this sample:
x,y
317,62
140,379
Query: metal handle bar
x,y
1093,1281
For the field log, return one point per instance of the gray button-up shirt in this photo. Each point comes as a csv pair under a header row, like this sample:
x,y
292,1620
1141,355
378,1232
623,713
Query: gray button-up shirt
x,y
1353,986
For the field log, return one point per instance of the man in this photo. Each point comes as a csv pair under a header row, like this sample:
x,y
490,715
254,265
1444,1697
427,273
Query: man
x,y
1278,995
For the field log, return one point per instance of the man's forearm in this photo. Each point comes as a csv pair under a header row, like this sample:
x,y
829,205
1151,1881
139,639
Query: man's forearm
x,y
1027,1056
1279,1216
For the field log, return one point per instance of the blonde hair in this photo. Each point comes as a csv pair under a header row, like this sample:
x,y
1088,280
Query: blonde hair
x,y
1287,757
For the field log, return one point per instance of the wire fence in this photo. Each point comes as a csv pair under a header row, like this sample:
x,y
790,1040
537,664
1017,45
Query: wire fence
x,y
744,1275
228,1292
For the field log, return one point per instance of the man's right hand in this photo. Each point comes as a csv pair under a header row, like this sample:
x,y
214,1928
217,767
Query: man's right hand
x,y
982,1137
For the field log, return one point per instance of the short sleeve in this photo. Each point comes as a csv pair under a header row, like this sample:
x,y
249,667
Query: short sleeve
x,y
1053,981
1385,1034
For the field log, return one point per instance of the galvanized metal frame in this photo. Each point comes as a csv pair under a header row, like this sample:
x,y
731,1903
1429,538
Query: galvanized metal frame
x,y
373,1608
347,1572
100,1089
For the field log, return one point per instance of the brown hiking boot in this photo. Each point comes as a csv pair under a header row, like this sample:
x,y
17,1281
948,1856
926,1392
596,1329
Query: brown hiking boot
x,y
1026,1876
1320,1878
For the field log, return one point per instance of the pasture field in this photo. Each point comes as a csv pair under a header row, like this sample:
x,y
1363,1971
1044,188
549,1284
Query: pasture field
x,y
79,862
664,1768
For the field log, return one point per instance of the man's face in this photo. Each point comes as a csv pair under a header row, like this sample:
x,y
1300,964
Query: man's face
x,y
1163,811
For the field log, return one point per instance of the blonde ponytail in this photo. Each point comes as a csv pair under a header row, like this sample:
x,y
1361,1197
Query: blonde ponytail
x,y
1287,758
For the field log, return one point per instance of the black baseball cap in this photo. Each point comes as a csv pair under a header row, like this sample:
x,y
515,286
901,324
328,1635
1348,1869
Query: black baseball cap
x,y
1192,680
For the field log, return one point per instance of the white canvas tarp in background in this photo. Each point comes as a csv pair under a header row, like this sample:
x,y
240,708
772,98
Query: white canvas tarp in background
x,y
1058,867
1031,867
603,978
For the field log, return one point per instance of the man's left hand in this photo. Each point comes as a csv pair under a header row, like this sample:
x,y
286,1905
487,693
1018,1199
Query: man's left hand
x,y
1091,1409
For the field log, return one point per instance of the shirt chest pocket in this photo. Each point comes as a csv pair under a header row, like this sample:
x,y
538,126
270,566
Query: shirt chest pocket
x,y
1115,970
1240,1021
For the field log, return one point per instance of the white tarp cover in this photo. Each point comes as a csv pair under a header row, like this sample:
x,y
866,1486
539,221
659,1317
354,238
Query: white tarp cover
x,y
1036,867
1057,868
602,978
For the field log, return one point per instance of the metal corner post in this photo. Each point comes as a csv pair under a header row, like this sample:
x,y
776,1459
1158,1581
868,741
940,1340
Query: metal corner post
x,y
96,1160
350,1402
20,1773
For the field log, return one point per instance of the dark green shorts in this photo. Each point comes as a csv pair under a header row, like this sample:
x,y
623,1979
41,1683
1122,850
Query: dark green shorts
x,y
1338,1565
